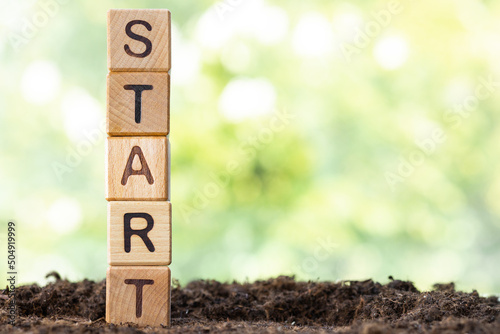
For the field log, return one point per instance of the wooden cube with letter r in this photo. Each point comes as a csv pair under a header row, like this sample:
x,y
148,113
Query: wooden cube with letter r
x,y
137,169
140,295
139,233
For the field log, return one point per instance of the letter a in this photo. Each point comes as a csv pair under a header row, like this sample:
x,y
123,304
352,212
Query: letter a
x,y
136,150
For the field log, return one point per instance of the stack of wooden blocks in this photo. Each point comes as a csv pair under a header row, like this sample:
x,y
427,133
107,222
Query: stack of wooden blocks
x,y
138,167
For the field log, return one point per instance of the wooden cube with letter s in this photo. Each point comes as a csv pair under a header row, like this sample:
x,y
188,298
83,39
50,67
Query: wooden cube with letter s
x,y
139,40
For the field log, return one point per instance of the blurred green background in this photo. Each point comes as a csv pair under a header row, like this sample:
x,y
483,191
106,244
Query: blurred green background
x,y
326,139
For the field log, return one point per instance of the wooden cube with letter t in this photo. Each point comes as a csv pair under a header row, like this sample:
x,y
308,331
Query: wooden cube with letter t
x,y
138,104
139,294
137,164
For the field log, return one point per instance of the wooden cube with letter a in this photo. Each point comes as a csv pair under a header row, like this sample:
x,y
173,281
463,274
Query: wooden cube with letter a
x,y
139,295
138,103
139,40
139,233
137,169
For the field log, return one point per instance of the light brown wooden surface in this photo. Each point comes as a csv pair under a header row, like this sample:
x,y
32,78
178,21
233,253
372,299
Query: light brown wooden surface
x,y
120,152
159,233
154,104
138,58
169,162
122,304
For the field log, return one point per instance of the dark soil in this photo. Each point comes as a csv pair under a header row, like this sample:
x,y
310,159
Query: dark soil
x,y
280,305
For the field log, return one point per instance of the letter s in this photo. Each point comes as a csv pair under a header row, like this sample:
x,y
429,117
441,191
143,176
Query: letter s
x,y
147,42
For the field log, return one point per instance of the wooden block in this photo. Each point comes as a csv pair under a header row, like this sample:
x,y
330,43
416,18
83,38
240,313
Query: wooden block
x,y
138,103
139,233
139,295
139,40
169,161
137,169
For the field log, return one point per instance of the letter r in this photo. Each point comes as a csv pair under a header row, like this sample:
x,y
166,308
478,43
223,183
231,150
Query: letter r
x,y
128,232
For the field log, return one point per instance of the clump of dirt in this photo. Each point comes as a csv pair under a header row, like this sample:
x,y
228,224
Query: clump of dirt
x,y
278,305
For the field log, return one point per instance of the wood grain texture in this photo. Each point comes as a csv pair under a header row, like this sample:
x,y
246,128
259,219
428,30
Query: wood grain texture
x,y
126,247
124,104
144,156
139,295
169,161
139,40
